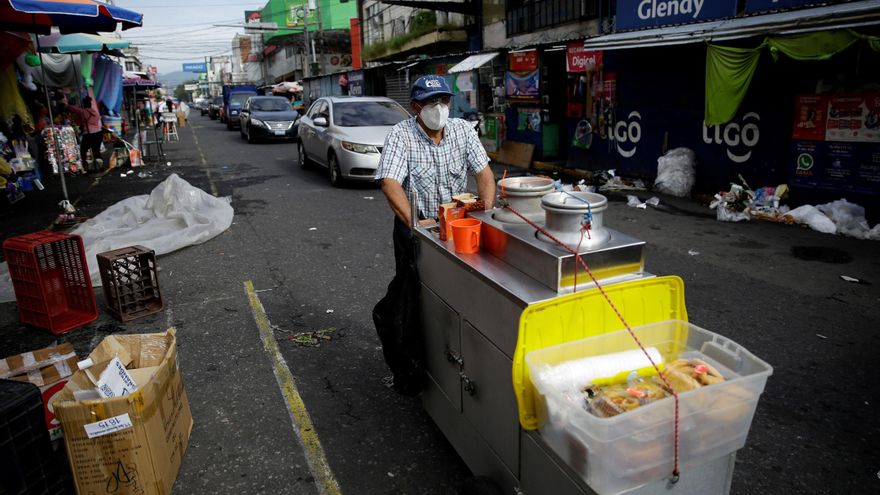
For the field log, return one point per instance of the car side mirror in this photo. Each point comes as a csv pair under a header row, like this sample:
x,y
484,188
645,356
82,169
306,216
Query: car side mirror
x,y
321,121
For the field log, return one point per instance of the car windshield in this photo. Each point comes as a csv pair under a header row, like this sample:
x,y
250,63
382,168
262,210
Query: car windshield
x,y
270,105
239,99
367,113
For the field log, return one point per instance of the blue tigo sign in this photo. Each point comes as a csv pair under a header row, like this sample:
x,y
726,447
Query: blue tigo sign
x,y
765,5
636,14
195,67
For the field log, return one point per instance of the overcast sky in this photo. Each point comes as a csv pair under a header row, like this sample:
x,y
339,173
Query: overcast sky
x,y
178,31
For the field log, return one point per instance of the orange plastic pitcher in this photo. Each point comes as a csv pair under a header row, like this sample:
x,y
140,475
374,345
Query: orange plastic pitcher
x,y
466,235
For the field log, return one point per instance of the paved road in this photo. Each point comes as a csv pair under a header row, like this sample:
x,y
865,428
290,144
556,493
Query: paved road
x,y
318,258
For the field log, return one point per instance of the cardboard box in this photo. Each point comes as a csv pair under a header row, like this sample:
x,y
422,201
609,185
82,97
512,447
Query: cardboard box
x,y
46,368
449,212
132,444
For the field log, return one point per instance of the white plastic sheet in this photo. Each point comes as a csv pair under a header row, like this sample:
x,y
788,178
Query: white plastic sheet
x,y
173,216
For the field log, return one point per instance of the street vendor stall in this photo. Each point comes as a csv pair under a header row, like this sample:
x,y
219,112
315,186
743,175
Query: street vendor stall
x,y
531,340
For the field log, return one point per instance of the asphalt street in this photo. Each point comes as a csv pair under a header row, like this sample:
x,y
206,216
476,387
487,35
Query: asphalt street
x,y
305,259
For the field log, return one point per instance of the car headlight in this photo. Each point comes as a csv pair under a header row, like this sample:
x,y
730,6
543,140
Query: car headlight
x,y
258,122
359,148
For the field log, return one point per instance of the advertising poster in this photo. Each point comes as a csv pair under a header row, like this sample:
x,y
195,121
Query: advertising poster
x,y
523,87
838,166
356,83
524,61
809,117
853,118
529,119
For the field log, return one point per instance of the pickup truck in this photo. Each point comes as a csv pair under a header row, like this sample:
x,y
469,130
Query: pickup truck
x,y
233,99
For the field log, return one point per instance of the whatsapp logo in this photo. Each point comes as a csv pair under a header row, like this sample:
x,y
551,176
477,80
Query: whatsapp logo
x,y
805,161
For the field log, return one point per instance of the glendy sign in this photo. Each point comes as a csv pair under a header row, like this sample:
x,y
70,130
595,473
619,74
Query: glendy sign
x,y
579,59
636,14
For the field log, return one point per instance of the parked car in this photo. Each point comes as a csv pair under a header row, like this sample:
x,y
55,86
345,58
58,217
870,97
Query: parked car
x,y
345,134
214,107
267,117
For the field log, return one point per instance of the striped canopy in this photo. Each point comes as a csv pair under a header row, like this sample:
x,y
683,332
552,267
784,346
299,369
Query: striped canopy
x,y
69,16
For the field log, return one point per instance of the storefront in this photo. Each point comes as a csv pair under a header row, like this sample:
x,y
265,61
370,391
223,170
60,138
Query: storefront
x,y
804,118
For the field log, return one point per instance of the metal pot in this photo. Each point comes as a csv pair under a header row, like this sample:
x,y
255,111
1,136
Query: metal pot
x,y
523,194
568,213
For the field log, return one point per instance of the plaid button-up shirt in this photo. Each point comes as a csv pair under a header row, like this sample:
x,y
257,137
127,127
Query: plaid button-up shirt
x,y
438,170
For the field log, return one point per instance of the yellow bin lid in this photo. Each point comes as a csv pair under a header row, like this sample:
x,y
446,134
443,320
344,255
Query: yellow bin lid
x,y
587,314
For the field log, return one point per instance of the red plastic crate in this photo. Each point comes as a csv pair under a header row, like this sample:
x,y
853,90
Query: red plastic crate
x,y
51,280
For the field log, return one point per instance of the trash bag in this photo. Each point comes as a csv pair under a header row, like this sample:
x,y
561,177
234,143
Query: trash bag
x,y
676,172
397,317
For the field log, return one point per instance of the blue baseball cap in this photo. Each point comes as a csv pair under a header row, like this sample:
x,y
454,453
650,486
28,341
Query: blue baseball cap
x,y
428,86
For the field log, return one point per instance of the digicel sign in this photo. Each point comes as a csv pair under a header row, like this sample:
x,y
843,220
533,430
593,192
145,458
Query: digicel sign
x,y
582,60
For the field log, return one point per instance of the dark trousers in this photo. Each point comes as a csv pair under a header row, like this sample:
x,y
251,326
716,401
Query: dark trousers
x,y
402,234
91,141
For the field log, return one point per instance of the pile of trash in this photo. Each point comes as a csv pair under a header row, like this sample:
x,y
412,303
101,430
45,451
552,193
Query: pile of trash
x,y
741,203
838,217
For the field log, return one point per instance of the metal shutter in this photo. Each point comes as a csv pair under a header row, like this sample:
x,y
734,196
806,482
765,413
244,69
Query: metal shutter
x,y
397,88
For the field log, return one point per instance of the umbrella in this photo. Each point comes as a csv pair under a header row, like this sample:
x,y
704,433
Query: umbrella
x,y
70,16
79,42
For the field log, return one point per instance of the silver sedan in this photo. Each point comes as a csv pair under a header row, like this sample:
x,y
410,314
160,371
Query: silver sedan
x,y
345,134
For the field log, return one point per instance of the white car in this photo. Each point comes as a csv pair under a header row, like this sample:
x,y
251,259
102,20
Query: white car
x,y
345,134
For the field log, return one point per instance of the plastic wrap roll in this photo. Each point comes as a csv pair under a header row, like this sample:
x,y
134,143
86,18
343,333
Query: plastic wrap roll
x,y
578,373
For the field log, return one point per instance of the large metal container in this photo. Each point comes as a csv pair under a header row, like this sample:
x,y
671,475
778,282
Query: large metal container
x,y
575,219
523,194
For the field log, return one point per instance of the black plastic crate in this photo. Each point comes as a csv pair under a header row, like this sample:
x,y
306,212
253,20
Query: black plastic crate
x,y
131,282
29,464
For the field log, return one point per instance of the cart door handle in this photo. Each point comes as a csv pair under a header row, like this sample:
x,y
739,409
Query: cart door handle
x,y
453,357
470,386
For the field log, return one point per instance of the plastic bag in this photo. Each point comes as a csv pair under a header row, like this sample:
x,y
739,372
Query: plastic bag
x,y
815,219
676,172
850,219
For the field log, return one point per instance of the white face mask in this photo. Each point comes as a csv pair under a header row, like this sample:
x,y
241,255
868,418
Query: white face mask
x,y
434,116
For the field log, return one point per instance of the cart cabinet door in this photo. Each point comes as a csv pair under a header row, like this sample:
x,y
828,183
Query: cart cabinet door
x,y
488,401
442,345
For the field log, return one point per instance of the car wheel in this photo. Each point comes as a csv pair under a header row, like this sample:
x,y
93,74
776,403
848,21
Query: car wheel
x,y
335,172
250,137
241,132
301,157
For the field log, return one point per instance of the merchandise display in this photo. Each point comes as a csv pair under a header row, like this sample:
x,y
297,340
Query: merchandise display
x,y
70,160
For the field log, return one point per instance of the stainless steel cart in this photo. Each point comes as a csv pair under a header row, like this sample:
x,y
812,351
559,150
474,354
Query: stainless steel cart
x,y
471,309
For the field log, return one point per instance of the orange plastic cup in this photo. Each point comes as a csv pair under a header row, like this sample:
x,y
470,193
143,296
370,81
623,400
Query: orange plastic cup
x,y
466,235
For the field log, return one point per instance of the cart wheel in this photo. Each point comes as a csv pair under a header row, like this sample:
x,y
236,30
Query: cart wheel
x,y
479,485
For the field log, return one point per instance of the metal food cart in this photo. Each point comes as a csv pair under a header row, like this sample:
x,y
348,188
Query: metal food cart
x,y
472,305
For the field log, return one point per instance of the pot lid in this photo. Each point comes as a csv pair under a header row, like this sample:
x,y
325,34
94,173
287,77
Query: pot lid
x,y
525,184
575,200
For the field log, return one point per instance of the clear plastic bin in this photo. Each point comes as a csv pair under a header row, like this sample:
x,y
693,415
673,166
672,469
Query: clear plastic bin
x,y
622,452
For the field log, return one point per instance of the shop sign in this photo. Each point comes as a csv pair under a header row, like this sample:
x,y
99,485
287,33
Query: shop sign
x,y
753,6
853,118
636,14
252,16
195,67
738,138
524,61
579,59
